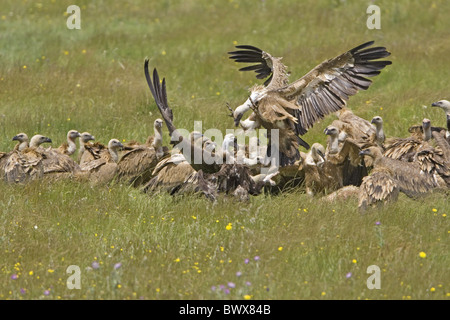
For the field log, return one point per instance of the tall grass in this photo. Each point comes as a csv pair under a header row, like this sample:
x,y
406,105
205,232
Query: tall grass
x,y
130,245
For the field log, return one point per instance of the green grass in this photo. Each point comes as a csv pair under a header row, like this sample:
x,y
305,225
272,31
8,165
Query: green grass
x,y
179,248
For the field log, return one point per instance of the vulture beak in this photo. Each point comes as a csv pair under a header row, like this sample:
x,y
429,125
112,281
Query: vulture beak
x,y
321,154
372,121
15,138
364,152
48,140
435,104
326,131
121,146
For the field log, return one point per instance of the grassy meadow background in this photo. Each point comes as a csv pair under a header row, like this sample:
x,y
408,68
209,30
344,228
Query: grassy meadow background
x,y
130,245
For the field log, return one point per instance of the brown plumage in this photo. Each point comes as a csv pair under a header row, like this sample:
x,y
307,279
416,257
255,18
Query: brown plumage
x,y
85,139
170,173
354,127
344,156
22,143
294,108
191,151
395,174
69,147
377,188
321,176
137,164
232,180
102,168
27,164
405,149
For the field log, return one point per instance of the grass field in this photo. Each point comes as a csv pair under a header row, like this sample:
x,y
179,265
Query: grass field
x,y
130,245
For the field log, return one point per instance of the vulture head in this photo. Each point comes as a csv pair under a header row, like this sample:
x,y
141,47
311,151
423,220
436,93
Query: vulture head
x,y
85,137
115,144
318,152
73,134
21,137
443,104
331,131
23,141
373,152
426,125
38,139
377,121
256,95
158,124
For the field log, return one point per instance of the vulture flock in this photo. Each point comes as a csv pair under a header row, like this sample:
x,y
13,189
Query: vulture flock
x,y
360,159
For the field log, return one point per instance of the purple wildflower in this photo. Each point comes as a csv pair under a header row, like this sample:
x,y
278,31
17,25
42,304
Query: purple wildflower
x,y
248,283
231,284
47,292
14,276
238,274
117,265
256,258
348,275
95,265
213,288
246,261
377,223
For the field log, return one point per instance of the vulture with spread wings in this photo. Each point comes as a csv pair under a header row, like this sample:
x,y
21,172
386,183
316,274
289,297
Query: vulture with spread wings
x,y
295,107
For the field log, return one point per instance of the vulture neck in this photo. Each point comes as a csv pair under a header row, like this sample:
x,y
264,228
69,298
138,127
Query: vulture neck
x,y
427,133
315,155
377,156
334,144
72,147
114,154
82,148
157,141
379,132
22,145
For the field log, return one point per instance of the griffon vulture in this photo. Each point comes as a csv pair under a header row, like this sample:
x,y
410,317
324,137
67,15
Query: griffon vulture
x,y
70,146
393,176
23,141
84,140
321,176
137,164
103,168
294,108
224,176
27,164
445,105
344,157
405,149
379,136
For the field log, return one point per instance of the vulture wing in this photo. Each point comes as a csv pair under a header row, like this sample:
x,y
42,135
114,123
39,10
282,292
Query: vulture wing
x,y
136,165
265,65
327,87
378,187
158,90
